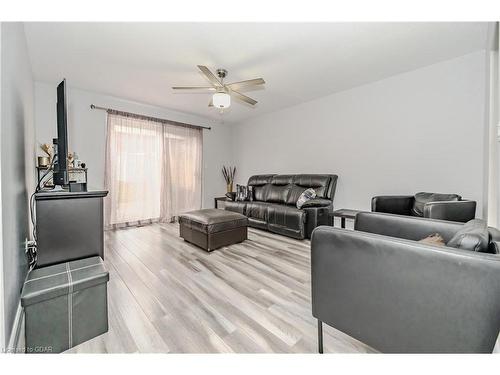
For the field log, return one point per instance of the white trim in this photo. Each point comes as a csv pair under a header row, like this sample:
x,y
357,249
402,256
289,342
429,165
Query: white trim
x,y
13,345
70,307
2,290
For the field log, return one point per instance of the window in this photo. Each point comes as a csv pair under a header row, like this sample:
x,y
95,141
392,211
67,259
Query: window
x,y
153,170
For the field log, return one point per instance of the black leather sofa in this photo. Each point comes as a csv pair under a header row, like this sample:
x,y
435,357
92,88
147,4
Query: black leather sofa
x,y
430,205
273,207
382,287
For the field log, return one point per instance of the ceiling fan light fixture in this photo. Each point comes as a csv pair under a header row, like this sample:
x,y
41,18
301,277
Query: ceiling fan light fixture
x,y
221,100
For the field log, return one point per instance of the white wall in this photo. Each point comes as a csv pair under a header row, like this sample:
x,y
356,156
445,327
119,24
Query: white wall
x,y
418,131
87,133
17,165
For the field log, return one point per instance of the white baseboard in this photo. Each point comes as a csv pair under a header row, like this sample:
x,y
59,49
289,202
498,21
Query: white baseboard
x,y
14,345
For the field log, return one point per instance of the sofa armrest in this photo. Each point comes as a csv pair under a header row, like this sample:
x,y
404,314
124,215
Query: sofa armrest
x,y
393,204
406,227
316,216
461,211
317,202
231,196
404,296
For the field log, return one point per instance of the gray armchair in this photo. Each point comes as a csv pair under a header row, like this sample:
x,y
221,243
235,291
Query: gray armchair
x,y
380,286
429,205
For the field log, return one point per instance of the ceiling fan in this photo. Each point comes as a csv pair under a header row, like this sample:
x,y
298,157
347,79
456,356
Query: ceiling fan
x,y
223,92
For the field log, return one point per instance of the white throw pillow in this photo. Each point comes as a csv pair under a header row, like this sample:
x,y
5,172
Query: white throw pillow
x,y
306,195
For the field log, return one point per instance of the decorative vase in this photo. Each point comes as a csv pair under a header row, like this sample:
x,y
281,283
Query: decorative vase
x,y
43,161
230,187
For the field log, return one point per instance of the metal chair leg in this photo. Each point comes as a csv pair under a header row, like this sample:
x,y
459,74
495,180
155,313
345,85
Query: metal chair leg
x,y
320,337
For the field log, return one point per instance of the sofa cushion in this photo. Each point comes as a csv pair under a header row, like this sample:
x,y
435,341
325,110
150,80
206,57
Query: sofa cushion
x,y
282,179
320,183
473,236
422,198
294,194
257,210
256,223
277,193
260,184
239,207
260,179
286,216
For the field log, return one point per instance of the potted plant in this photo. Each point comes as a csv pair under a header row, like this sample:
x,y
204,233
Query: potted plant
x,y
228,173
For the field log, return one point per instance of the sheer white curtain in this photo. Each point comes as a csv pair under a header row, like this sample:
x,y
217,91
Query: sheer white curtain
x,y
182,170
153,170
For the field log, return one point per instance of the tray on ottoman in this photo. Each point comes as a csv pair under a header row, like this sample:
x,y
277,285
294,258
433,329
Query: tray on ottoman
x,y
213,228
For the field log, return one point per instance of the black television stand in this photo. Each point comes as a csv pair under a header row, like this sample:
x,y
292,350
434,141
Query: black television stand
x,y
69,225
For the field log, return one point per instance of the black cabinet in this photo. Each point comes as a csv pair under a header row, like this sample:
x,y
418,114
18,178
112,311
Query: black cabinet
x,y
69,226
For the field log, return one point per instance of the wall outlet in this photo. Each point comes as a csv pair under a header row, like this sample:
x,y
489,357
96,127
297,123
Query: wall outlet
x,y
28,243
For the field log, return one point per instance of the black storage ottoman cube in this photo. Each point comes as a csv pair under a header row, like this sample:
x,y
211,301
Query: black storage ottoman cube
x,y
211,228
65,305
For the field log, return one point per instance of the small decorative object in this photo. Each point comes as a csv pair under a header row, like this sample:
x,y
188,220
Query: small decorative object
x,y
49,151
43,161
77,162
71,157
228,173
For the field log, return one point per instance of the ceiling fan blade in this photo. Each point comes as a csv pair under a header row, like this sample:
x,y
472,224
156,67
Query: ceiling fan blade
x,y
243,98
199,88
242,84
210,76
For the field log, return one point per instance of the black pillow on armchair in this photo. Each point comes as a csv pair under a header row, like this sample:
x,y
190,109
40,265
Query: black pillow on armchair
x,y
422,198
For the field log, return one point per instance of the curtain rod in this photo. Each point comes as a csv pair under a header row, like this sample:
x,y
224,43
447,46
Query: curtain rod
x,y
92,106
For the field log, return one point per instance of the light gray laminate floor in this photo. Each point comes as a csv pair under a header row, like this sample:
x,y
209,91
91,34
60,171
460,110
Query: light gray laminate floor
x,y
166,295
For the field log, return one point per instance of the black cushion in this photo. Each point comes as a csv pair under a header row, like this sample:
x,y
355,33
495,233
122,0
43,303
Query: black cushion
x,y
260,180
282,179
257,210
212,220
320,183
422,198
286,216
294,194
234,206
277,193
244,193
473,236
260,185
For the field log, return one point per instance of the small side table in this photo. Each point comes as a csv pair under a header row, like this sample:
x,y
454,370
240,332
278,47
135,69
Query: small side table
x,y
343,213
217,199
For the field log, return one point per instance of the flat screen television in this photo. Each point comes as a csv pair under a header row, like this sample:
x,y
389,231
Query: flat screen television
x,y
61,165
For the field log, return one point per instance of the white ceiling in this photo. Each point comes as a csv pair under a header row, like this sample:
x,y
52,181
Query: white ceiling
x,y
299,61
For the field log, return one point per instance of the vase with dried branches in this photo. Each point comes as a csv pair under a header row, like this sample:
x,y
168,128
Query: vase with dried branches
x,y
228,173
44,161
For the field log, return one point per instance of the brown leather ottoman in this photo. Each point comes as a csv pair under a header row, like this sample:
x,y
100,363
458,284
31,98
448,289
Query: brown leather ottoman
x,y
212,228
